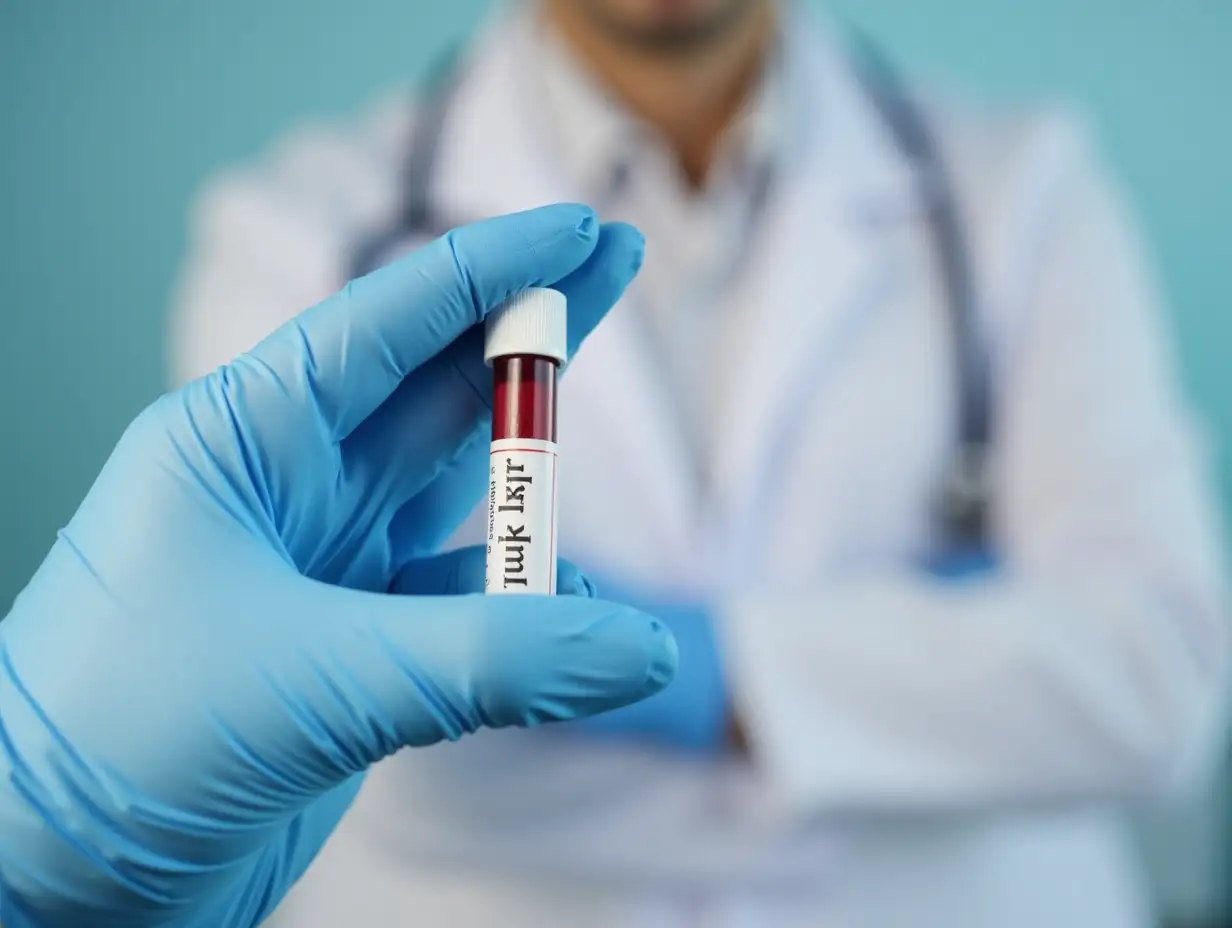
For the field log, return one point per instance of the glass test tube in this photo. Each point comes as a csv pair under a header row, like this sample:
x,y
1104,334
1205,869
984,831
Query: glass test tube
x,y
525,344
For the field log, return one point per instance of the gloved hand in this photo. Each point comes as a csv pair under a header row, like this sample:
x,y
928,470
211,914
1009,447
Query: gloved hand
x,y
693,715
195,680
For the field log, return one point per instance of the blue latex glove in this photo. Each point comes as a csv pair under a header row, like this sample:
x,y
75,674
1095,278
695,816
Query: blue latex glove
x,y
196,678
692,714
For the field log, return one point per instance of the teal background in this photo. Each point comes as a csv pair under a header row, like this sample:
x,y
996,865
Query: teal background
x,y
113,111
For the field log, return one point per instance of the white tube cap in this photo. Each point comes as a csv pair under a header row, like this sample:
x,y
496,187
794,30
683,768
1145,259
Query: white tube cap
x,y
530,322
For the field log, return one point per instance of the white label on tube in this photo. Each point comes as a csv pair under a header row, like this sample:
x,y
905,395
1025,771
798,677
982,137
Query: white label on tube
x,y
521,517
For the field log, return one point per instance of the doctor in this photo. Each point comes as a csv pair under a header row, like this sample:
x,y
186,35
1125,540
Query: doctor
x,y
848,288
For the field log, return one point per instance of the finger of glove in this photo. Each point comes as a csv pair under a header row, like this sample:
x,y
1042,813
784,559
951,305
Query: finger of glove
x,y
385,672
432,417
462,571
346,355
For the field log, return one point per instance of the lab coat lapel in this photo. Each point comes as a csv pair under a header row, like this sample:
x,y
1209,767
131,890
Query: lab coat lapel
x,y
612,402
495,156
817,266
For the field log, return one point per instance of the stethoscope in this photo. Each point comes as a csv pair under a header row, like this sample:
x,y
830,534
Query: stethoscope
x,y
964,492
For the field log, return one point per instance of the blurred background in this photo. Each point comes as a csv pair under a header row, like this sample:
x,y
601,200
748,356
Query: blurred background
x,y
112,112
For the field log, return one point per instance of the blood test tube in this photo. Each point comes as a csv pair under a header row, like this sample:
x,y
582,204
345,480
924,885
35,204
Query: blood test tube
x,y
525,345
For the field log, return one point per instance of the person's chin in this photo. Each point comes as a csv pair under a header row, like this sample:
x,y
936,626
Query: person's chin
x,y
670,25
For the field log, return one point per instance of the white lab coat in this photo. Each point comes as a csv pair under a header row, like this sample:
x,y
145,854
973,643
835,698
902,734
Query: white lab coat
x,y
923,754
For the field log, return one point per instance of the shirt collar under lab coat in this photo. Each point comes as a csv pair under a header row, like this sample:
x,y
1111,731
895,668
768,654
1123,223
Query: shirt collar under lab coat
x,y
600,141
832,128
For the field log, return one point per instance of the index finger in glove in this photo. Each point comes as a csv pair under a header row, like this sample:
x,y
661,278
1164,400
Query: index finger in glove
x,y
346,355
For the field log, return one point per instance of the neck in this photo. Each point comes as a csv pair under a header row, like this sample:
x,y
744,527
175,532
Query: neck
x,y
688,97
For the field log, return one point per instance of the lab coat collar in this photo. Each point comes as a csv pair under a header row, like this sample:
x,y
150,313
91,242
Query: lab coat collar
x,y
846,137
596,138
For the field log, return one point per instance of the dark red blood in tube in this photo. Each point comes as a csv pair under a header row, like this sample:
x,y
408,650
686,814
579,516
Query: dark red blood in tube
x,y
524,397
